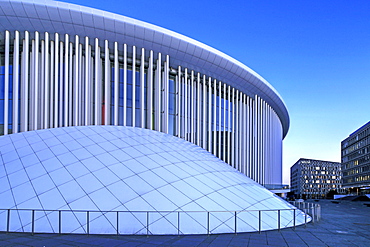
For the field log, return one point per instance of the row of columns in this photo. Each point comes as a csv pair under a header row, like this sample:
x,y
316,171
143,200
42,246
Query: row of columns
x,y
69,81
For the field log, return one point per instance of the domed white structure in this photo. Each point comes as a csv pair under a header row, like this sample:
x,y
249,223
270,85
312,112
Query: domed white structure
x,y
126,180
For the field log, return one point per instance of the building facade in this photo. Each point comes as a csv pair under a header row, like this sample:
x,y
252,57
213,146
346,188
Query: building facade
x,y
355,151
315,178
112,125
68,65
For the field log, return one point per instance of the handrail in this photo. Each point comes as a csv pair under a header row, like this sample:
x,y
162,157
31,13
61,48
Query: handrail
x,y
312,212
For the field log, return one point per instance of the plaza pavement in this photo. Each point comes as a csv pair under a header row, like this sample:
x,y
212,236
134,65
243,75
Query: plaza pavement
x,y
343,224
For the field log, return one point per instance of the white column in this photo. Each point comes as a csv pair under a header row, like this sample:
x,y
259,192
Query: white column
x,y
24,86
61,84
50,117
158,98
36,83
219,118
233,125
236,130
70,87
66,80
211,141
165,91
179,100
186,137
6,86
46,78
97,71
198,109
81,69
116,83
244,136
56,81
142,87
229,128
134,86
124,84
193,100
76,83
149,117
87,90
107,85
204,117
41,84
15,83
214,114
224,158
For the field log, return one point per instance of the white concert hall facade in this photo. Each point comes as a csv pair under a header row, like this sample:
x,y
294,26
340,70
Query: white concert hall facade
x,y
67,65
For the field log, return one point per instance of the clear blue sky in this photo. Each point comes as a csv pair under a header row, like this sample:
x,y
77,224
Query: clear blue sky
x,y
315,53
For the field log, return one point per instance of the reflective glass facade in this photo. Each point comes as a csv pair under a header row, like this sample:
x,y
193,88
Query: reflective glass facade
x,y
356,160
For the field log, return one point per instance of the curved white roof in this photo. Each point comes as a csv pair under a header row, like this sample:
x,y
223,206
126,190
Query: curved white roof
x,y
52,16
116,168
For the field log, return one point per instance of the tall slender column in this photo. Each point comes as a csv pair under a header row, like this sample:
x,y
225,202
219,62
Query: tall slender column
x,y
25,83
6,86
142,87
219,118
97,84
186,105
107,85
70,87
133,86
56,81
36,83
179,100
66,80
124,85
204,117
116,83
150,93
214,116
87,81
229,127
76,83
225,141
16,83
211,140
198,109
165,95
193,100
158,94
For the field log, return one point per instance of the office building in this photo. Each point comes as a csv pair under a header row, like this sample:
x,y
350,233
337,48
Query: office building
x,y
69,71
315,178
355,150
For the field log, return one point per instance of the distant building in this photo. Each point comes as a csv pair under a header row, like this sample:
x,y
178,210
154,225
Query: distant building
x,y
315,178
356,160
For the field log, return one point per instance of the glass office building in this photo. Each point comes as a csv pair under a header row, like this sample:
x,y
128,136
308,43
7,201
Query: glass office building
x,y
314,179
64,65
356,161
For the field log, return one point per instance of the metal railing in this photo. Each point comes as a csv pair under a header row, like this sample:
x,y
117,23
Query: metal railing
x,y
148,222
309,208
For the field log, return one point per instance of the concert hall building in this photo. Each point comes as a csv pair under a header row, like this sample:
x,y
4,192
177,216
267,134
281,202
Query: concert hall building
x,y
85,80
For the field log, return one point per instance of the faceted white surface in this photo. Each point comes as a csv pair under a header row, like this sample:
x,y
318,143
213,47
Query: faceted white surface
x,y
116,168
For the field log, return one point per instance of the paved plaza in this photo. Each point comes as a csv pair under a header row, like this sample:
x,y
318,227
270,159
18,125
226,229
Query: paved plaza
x,y
343,224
